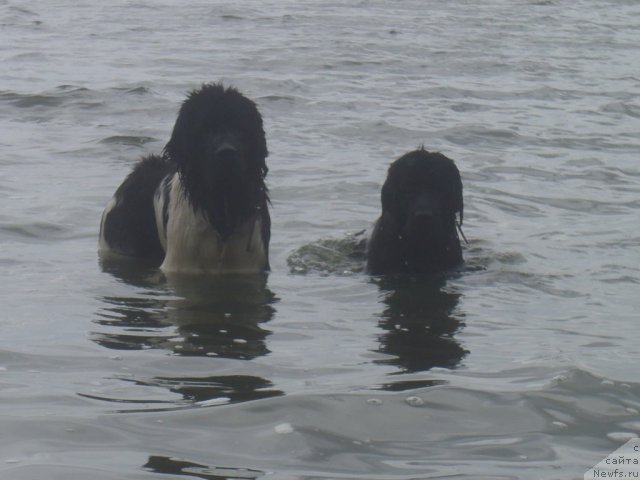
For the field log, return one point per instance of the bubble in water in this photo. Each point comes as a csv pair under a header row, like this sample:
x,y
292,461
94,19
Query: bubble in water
x,y
414,401
283,428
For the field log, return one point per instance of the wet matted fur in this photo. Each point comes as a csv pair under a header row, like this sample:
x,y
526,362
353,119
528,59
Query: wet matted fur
x,y
202,206
416,232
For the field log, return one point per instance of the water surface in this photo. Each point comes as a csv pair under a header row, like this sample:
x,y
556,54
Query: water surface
x,y
521,366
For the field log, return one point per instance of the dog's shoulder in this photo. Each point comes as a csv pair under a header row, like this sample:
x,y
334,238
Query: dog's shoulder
x,y
383,247
146,176
128,225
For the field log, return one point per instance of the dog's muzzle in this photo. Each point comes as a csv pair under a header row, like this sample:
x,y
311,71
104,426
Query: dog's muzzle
x,y
426,220
226,157
226,154
427,206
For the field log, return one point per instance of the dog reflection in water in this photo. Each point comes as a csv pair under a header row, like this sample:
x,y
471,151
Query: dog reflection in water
x,y
189,315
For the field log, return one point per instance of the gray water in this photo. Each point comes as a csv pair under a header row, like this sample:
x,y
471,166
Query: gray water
x,y
522,366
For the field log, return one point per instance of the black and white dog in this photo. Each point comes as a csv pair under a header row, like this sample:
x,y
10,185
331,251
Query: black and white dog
x,y
203,205
416,232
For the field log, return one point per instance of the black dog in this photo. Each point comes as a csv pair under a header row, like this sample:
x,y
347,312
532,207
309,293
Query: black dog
x,y
416,232
203,205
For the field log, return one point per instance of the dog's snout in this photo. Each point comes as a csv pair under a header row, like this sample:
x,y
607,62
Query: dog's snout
x,y
226,153
424,212
226,160
426,206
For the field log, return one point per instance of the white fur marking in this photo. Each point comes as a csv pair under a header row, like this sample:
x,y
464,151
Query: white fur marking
x,y
159,201
194,246
103,246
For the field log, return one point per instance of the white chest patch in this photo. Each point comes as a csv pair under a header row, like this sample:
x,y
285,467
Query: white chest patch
x,y
192,245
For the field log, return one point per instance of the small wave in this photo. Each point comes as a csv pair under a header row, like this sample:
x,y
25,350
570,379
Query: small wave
x,y
346,256
480,135
71,88
330,256
137,90
622,108
131,140
463,107
62,94
231,17
176,466
31,100
278,98
37,230
194,392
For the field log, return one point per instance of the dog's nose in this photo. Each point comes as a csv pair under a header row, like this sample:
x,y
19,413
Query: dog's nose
x,y
424,212
226,153
427,205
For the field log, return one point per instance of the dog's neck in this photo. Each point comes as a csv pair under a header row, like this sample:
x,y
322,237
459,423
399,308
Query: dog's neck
x,y
226,206
194,245
389,251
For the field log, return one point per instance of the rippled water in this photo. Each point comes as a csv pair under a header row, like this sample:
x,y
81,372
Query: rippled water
x,y
523,365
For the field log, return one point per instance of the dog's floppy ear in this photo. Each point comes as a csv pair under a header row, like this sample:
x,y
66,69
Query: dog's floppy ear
x,y
391,196
450,175
259,145
457,202
183,142
388,194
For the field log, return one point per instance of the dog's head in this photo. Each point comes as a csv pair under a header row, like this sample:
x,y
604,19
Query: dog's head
x,y
420,200
219,146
